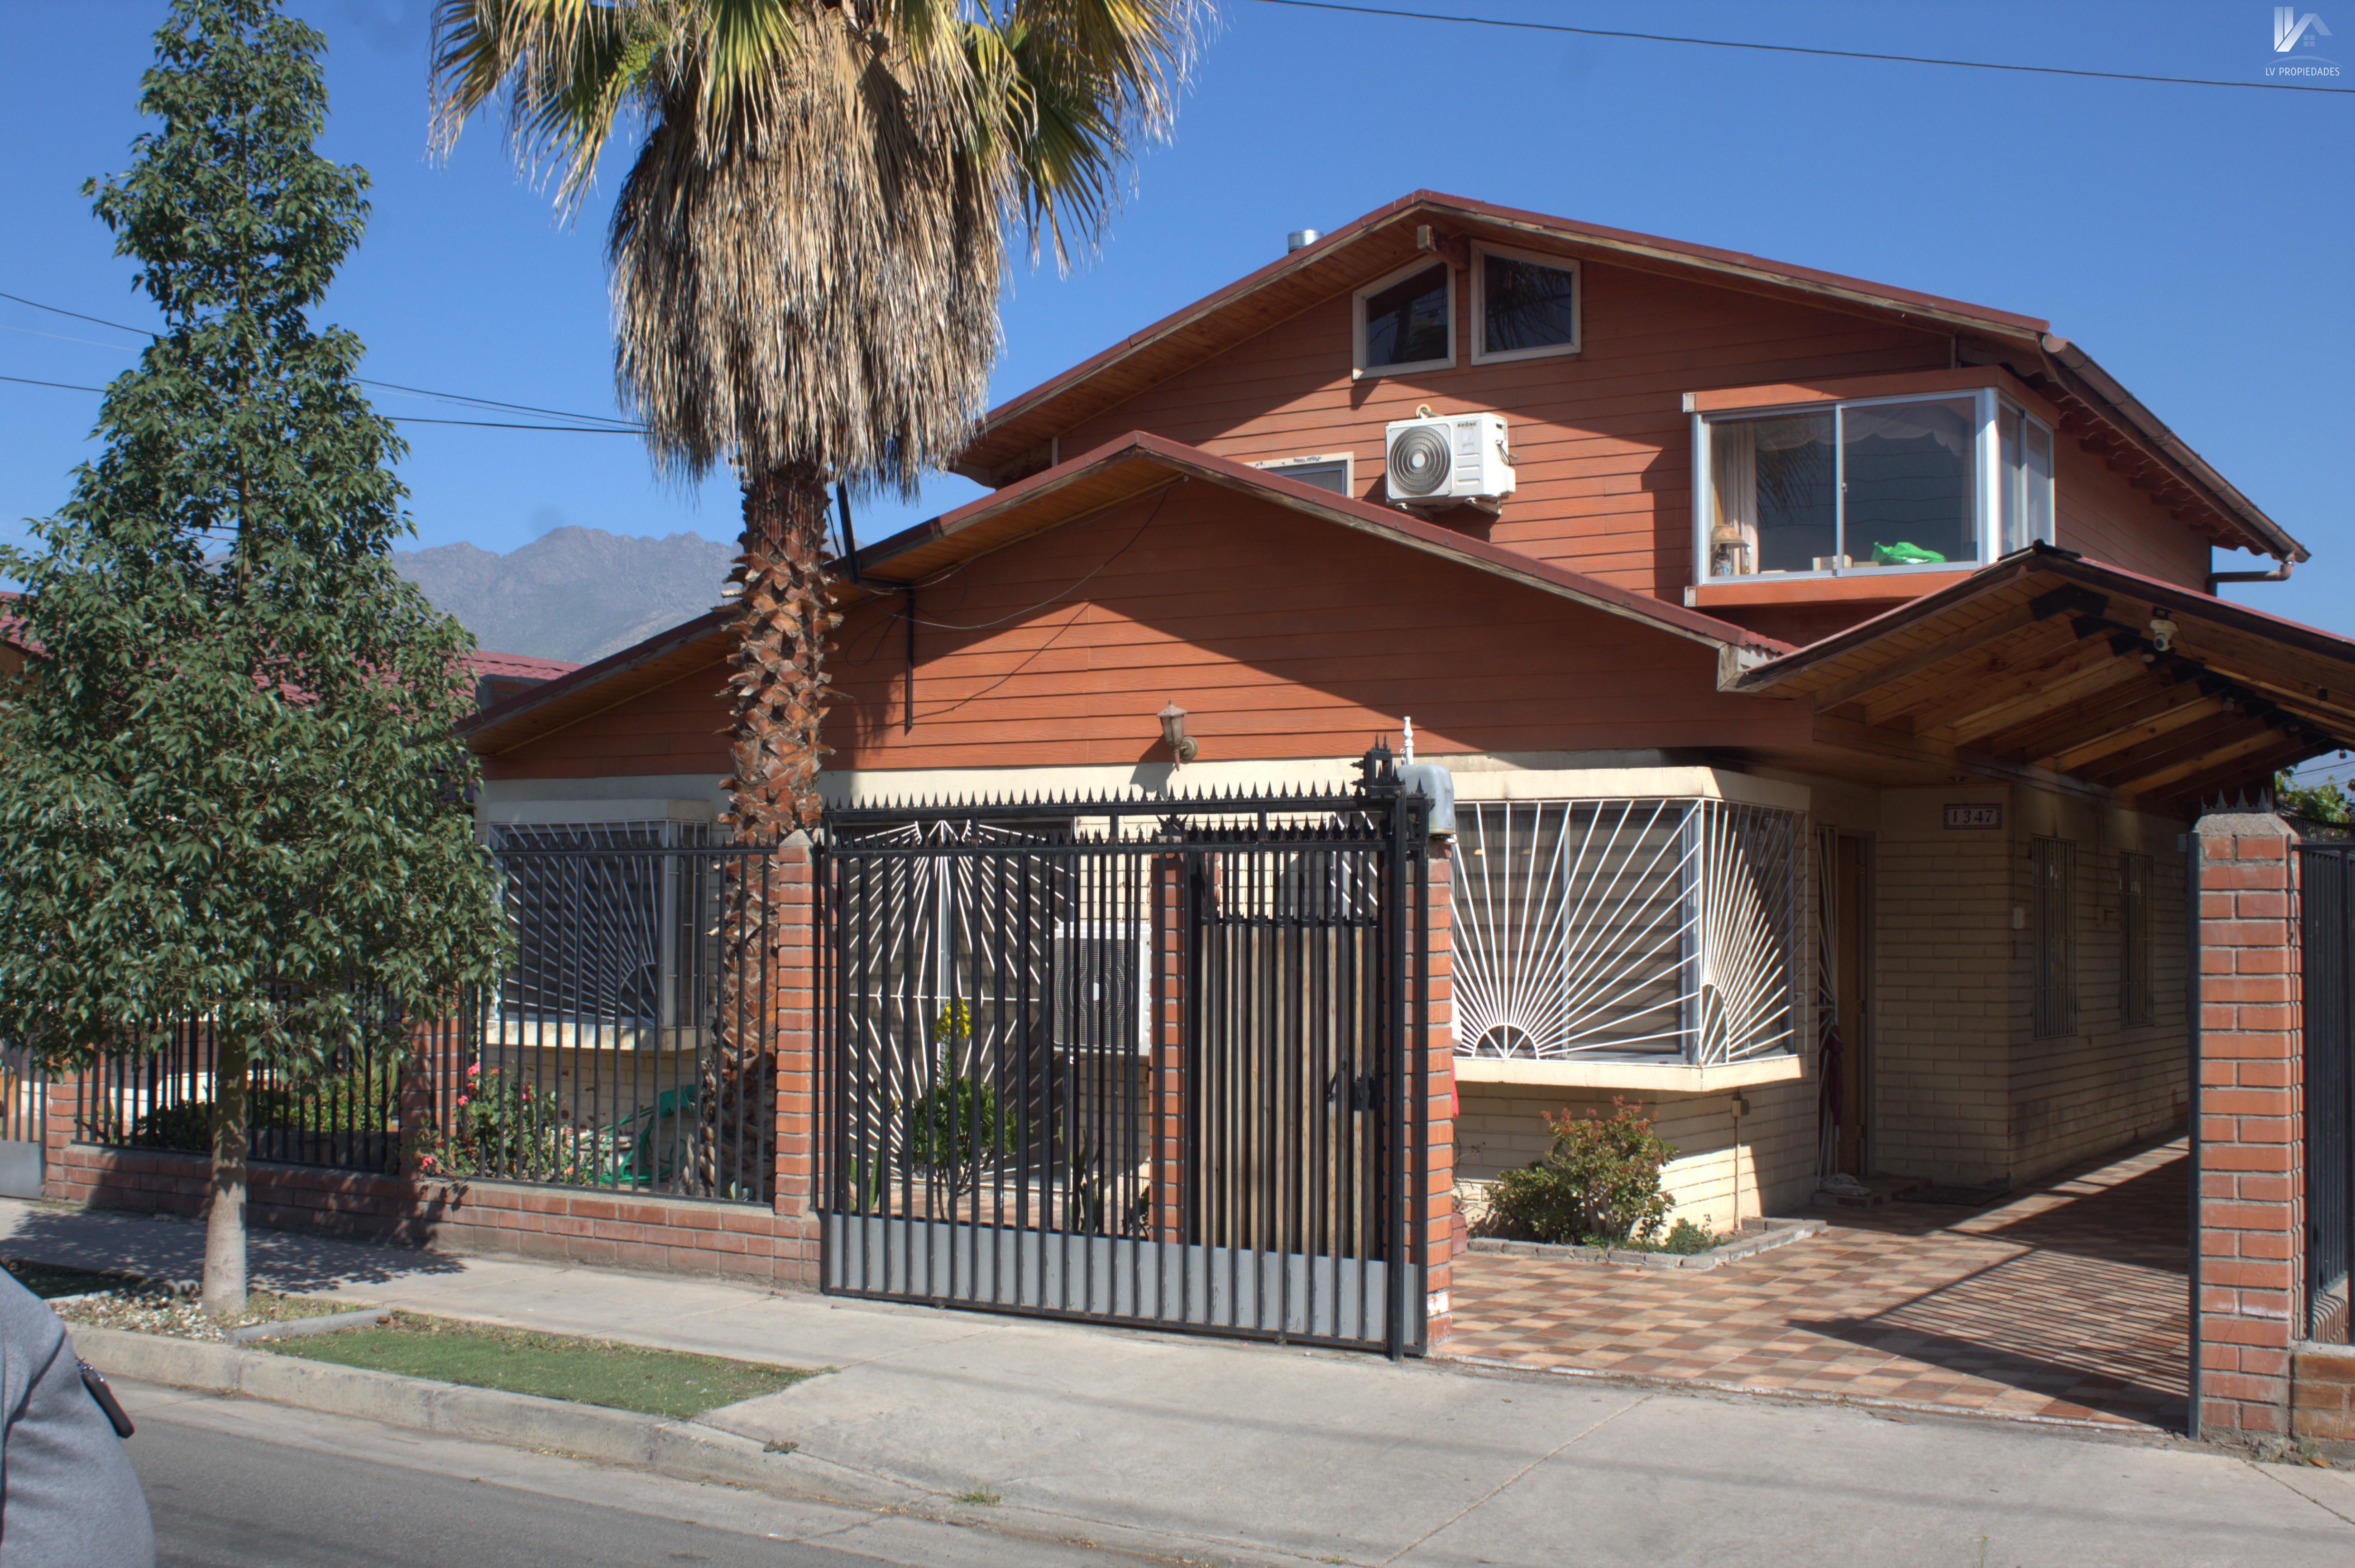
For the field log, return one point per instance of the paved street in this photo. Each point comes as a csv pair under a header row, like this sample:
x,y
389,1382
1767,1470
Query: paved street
x,y
242,1484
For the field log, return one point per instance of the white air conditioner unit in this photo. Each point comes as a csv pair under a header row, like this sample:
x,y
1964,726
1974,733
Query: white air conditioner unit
x,y
1445,461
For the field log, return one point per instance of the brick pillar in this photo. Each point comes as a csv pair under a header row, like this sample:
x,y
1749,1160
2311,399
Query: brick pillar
x,y
792,909
2250,1159
1435,1237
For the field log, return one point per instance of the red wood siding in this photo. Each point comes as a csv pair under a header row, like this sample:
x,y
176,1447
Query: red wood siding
x,y
1281,636
1602,435
2102,517
1603,440
681,728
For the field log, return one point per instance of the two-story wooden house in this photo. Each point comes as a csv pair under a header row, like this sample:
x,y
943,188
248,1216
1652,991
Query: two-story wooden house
x,y
1827,673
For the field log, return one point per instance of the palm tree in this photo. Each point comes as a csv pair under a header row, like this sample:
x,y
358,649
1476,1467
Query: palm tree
x,y
806,254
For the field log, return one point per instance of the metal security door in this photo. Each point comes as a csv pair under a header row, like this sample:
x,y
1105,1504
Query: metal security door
x,y
1126,1060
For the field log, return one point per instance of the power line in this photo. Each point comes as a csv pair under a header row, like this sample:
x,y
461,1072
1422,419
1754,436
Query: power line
x,y
623,426
397,418
1800,49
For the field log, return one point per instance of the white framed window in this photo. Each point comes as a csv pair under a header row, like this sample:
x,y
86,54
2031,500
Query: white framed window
x,y
1525,305
1406,320
1925,482
1332,471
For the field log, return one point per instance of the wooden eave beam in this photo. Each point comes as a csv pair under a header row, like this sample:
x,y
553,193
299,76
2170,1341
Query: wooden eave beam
x,y
2070,600
2263,741
2192,739
1995,677
1926,755
2091,676
2079,757
2104,712
2262,764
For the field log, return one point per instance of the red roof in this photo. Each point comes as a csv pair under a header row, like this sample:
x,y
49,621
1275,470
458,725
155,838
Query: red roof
x,y
517,666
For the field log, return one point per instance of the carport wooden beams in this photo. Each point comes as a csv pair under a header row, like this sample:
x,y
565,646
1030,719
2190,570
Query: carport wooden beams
x,y
2047,664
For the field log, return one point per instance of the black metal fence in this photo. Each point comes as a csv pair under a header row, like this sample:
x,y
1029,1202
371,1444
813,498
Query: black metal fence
x,y
2327,931
623,1050
1132,1061
629,1047
345,1114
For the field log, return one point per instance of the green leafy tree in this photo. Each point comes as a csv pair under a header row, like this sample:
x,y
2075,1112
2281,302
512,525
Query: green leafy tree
x,y
231,792
806,254
2325,800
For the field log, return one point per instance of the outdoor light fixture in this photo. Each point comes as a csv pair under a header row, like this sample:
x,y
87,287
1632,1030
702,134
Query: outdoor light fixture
x,y
1173,733
2163,631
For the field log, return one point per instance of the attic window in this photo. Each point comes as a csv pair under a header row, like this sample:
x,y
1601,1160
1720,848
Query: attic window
x,y
1525,306
1407,321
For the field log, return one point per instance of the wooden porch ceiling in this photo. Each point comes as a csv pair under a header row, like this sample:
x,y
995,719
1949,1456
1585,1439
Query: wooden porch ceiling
x,y
2044,667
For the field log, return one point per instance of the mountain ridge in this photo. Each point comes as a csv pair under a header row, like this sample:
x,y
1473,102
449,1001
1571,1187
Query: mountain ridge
x,y
575,593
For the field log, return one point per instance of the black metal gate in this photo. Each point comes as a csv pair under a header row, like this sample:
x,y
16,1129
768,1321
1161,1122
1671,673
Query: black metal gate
x,y
1135,1061
2327,945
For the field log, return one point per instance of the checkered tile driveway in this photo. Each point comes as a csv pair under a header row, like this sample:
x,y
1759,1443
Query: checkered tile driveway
x,y
2067,1301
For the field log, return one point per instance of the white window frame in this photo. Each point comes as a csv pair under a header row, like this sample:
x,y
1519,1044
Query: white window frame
x,y
1422,263
1481,353
1986,470
1288,467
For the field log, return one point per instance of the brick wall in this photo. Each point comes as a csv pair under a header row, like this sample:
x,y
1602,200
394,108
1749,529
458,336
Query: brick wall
x,y
2322,1393
2250,1158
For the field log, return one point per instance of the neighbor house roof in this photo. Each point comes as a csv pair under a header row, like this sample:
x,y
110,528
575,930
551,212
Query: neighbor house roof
x,y
2094,408
1121,470
2047,660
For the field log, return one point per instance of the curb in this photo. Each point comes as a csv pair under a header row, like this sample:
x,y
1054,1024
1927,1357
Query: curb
x,y
682,1450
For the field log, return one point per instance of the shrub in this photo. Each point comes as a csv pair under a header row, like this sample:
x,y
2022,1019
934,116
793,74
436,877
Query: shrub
x,y
957,1123
1688,1238
1598,1183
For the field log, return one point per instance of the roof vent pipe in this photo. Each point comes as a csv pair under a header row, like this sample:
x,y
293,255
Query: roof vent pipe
x,y
1299,237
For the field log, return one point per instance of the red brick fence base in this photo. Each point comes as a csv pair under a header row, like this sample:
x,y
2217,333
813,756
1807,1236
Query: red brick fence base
x,y
681,1235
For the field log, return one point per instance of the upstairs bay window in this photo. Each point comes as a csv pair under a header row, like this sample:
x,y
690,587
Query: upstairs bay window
x,y
1869,485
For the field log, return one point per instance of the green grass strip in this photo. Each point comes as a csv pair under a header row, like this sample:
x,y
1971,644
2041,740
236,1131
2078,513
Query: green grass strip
x,y
554,1366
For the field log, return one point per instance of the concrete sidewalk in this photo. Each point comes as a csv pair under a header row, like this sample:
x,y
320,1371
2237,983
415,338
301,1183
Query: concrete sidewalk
x,y
1217,1448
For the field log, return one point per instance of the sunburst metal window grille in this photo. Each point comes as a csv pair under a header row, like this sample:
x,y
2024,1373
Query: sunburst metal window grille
x,y
1650,929
619,943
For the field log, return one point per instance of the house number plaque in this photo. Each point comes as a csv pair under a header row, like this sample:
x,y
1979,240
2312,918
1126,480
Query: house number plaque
x,y
1975,817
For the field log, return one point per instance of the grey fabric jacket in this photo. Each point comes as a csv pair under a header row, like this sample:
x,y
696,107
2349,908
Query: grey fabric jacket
x,y
68,1497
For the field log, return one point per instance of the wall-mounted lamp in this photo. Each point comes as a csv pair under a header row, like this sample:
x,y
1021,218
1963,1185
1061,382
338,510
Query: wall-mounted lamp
x,y
2162,632
1173,733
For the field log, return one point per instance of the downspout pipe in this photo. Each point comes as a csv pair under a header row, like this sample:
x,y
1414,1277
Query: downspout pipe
x,y
2280,573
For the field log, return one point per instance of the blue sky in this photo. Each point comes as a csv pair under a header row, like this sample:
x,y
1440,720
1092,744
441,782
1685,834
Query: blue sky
x,y
2194,239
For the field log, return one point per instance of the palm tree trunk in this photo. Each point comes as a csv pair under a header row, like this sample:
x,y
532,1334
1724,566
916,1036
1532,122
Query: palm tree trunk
x,y
783,634
224,1283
